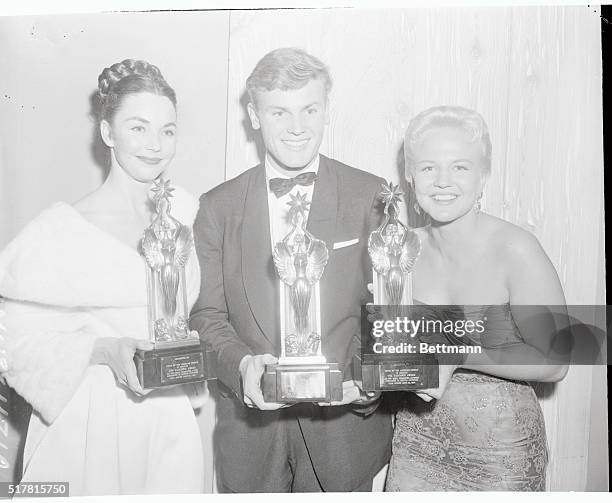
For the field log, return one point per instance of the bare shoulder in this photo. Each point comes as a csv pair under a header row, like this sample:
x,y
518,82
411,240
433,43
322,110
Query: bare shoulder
x,y
531,276
91,203
513,242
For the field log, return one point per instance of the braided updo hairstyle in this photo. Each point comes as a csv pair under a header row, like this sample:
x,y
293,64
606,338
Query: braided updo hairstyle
x,y
131,76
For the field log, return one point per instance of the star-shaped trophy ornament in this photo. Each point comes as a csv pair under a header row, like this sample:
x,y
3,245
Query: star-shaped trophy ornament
x,y
391,195
162,189
298,203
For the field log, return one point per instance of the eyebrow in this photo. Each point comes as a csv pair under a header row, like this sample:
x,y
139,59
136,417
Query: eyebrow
x,y
312,104
145,121
274,107
434,162
140,119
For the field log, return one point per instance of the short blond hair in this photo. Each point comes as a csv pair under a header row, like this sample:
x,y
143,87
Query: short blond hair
x,y
448,116
286,68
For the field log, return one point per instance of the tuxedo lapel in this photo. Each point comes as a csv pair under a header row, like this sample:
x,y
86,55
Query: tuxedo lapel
x,y
259,276
324,208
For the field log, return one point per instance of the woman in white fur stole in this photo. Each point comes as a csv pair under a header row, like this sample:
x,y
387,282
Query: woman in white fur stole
x,y
76,311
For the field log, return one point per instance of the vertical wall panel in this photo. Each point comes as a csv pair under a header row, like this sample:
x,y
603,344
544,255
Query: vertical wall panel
x,y
553,188
534,74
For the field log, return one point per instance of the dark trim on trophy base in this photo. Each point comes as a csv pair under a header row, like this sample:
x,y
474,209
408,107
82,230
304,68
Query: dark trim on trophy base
x,y
408,373
277,380
159,368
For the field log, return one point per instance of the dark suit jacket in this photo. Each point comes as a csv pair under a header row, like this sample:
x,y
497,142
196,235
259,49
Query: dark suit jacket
x,y
237,312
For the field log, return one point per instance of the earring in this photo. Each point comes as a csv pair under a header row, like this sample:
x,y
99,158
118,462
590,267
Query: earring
x,y
478,205
417,208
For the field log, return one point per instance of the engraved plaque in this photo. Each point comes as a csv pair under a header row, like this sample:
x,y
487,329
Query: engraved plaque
x,y
182,368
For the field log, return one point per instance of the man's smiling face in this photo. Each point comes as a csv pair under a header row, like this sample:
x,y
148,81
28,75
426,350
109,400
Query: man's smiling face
x,y
292,123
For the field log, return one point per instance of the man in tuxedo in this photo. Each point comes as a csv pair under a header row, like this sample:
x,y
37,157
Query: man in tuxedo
x,y
270,447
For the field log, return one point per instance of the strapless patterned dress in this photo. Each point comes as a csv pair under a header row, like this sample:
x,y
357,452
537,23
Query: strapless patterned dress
x,y
484,434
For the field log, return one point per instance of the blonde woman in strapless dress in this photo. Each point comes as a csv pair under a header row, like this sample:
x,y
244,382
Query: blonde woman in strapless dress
x,y
482,429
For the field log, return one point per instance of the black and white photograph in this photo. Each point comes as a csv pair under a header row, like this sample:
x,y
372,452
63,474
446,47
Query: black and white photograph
x,y
306,249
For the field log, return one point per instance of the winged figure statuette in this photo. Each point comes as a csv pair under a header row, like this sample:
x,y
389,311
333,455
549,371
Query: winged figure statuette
x,y
300,260
166,246
393,247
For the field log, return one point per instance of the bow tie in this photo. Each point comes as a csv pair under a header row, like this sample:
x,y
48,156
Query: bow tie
x,y
282,186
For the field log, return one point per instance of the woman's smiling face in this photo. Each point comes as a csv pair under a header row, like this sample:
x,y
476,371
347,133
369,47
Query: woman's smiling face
x,y
448,171
142,135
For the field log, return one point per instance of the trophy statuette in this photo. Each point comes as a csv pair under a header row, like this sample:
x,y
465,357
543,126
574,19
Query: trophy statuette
x,y
393,250
302,373
178,356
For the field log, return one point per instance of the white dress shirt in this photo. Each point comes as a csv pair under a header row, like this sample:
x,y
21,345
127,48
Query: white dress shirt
x,y
278,209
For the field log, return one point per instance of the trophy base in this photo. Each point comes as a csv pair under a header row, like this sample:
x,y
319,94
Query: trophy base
x,y
295,383
419,372
168,366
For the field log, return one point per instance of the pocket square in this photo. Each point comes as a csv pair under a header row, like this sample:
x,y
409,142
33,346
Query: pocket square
x,y
344,244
